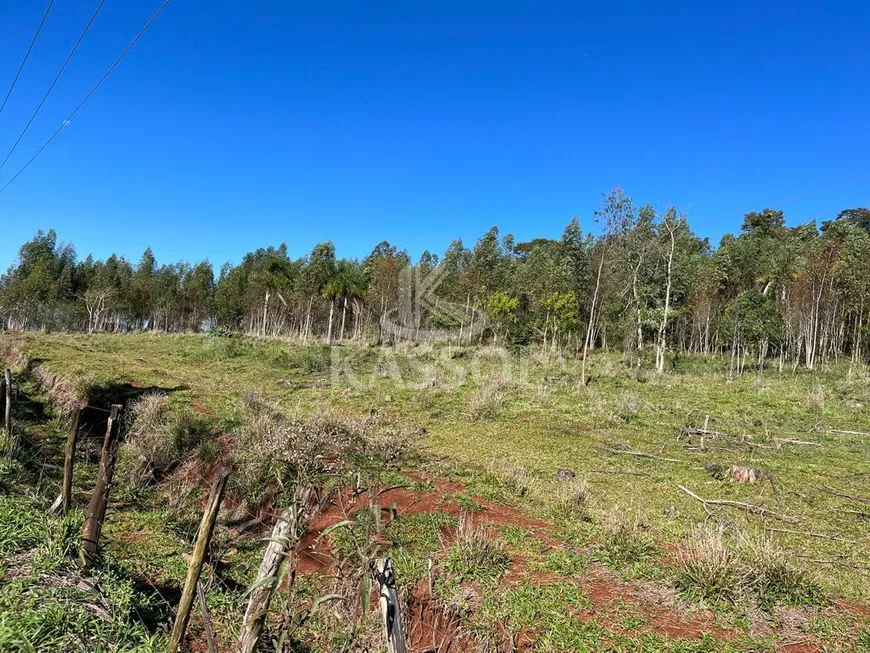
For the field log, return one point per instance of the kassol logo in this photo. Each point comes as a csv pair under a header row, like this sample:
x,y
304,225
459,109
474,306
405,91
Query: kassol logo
x,y
422,315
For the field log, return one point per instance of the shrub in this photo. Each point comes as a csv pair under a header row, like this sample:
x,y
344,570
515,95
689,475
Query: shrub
x,y
219,331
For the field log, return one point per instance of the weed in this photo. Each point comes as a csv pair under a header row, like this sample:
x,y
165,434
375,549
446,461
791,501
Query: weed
x,y
465,501
475,555
624,545
570,501
708,571
566,562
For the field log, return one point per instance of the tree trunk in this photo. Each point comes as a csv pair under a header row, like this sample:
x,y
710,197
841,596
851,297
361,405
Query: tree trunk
x,y
343,316
660,353
329,328
587,342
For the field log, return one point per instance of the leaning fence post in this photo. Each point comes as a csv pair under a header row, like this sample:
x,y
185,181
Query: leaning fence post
x,y
100,496
7,414
385,577
200,550
69,458
285,534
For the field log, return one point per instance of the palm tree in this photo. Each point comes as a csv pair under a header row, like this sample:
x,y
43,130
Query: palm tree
x,y
348,282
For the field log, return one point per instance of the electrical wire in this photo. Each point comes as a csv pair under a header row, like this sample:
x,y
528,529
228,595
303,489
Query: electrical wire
x,y
27,54
56,77
90,93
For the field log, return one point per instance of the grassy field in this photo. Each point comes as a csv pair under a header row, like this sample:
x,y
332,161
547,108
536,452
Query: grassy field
x,y
773,569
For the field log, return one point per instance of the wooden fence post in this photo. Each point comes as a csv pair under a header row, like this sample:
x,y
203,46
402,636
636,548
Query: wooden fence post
x,y
7,412
206,618
68,460
284,535
385,577
100,496
200,550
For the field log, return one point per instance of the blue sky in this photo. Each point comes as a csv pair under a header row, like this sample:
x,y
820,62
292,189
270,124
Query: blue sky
x,y
234,124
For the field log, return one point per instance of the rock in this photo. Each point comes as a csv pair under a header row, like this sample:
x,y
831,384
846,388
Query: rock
x,y
737,474
565,474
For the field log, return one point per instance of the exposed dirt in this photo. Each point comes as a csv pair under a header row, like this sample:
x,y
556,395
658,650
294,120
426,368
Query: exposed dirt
x,y
431,623
432,627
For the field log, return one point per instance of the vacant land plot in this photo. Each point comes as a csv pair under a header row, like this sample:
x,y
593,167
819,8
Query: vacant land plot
x,y
525,511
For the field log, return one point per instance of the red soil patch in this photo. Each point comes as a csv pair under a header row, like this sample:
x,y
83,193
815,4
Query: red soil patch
x,y
136,383
314,555
196,408
432,628
854,609
608,593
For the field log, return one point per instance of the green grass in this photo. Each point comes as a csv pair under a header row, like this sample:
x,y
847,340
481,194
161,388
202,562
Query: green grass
x,y
503,436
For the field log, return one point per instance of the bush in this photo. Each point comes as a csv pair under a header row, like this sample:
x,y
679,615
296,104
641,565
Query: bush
x,y
219,331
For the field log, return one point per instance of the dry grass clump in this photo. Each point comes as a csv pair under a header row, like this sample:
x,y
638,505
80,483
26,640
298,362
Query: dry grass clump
x,y
570,501
748,572
65,393
515,478
774,580
475,555
709,571
157,439
816,399
273,446
484,403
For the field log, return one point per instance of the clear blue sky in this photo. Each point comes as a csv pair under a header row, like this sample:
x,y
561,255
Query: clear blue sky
x,y
237,124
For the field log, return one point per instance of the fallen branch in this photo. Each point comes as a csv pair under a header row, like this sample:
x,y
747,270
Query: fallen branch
x,y
206,618
843,495
793,441
821,536
761,511
860,513
687,432
641,454
848,432
618,471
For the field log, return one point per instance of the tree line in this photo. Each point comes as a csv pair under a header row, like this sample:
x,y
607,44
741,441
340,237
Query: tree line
x,y
646,283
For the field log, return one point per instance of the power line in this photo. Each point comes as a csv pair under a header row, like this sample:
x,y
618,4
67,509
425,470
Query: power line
x,y
90,93
56,77
27,54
